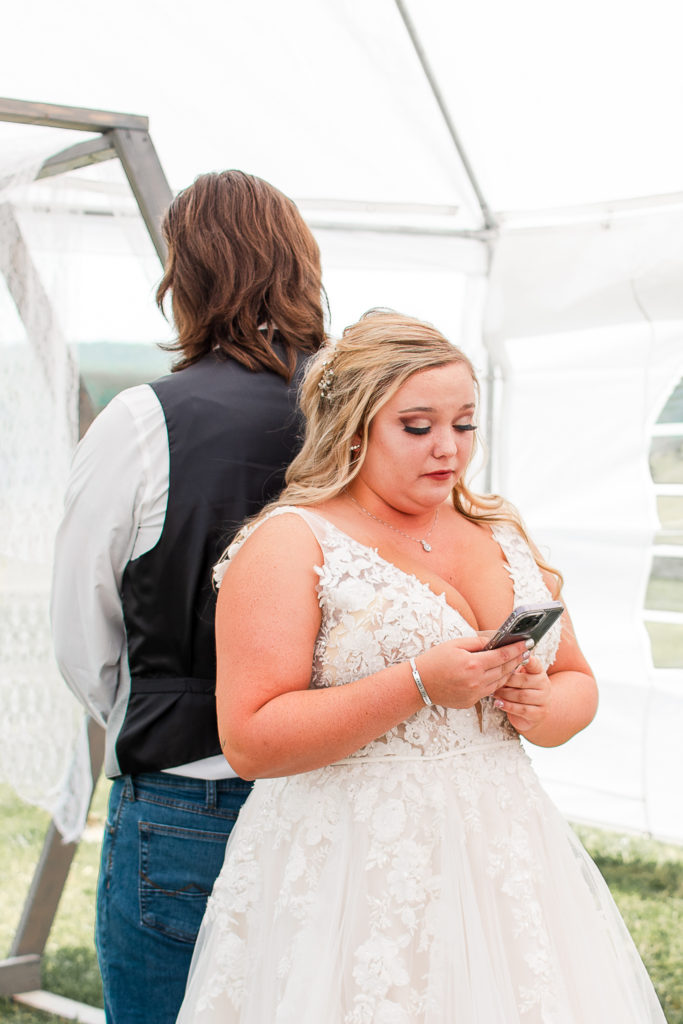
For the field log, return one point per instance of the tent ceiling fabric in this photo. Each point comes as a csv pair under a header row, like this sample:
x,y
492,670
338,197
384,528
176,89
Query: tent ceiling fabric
x,y
556,107
619,267
327,98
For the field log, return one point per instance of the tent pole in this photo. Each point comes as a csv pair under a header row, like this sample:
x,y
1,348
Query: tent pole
x,y
490,419
489,220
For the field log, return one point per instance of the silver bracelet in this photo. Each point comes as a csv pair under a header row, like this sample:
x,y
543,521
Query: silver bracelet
x,y
419,683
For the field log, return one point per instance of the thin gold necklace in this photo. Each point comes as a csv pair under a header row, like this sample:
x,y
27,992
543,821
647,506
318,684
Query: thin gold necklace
x,y
418,540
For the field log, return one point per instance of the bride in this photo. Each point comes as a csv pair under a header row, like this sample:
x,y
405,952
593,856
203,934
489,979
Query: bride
x,y
398,861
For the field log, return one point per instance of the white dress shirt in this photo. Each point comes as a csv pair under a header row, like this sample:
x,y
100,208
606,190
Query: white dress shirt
x,y
115,508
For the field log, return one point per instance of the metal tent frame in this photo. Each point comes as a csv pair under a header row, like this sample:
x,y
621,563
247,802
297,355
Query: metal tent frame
x,y
124,137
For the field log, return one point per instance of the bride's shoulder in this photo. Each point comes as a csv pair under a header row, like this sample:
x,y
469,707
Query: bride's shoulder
x,y
282,534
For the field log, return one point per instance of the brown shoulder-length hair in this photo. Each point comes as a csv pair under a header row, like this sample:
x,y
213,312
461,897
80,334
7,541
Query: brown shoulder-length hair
x,y
240,258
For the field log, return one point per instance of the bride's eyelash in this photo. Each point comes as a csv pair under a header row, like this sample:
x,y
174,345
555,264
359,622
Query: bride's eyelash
x,y
460,427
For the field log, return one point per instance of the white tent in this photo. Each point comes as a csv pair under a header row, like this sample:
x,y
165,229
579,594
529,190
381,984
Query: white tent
x,y
511,172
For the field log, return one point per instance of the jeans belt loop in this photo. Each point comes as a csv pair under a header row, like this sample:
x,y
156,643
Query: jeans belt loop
x,y
211,794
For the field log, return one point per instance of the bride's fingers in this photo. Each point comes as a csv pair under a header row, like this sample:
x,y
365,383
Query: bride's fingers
x,y
497,683
521,697
499,676
533,667
521,718
505,660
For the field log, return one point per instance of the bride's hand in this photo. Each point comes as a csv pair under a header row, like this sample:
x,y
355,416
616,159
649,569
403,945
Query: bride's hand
x,y
458,673
526,696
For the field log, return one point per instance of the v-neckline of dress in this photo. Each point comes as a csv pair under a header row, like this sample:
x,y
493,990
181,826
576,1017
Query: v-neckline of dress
x,y
368,550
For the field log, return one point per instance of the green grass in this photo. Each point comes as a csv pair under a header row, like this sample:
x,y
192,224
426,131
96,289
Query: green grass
x,y
670,511
69,965
645,877
666,594
666,460
666,640
646,881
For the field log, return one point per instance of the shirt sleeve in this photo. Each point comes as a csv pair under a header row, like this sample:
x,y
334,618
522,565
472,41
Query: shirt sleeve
x,y
106,498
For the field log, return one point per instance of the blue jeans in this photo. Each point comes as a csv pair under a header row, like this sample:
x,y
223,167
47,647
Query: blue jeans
x,y
164,844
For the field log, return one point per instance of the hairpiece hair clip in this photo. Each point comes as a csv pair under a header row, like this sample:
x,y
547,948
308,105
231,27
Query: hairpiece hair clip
x,y
326,381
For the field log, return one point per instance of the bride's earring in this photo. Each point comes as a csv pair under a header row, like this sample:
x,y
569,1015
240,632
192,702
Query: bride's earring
x,y
355,447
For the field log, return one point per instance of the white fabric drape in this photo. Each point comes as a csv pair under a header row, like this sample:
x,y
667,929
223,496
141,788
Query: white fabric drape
x,y
586,322
68,273
41,727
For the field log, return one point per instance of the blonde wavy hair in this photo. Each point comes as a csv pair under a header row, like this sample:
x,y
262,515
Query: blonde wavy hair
x,y
345,385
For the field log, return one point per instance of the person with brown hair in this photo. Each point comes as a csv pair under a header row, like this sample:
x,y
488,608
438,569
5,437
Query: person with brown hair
x,y
159,483
397,861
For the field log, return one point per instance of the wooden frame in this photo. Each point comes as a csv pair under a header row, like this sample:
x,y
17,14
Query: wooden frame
x,y
122,136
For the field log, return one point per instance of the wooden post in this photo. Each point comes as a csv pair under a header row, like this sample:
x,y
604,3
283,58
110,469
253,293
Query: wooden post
x,y
21,971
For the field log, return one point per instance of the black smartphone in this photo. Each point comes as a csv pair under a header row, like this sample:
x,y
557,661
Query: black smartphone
x,y
526,621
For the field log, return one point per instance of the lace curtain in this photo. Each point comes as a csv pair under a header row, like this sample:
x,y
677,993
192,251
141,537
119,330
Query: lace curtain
x,y
43,745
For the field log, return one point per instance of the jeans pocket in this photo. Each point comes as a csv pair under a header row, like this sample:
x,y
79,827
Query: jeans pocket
x,y
178,867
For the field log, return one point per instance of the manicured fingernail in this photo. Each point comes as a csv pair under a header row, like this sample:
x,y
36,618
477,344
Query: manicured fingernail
x,y
530,643
525,658
497,703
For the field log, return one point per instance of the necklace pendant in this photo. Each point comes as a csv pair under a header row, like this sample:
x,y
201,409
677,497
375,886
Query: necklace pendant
x,y
417,540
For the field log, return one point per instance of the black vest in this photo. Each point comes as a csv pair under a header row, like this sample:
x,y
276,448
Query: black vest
x,y
231,434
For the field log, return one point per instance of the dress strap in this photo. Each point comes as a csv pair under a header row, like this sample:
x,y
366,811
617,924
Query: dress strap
x,y
319,526
527,581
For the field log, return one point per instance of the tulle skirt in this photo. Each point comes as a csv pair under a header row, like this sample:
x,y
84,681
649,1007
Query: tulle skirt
x,y
413,891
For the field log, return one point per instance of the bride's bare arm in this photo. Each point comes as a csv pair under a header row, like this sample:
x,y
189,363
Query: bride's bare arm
x,y
270,722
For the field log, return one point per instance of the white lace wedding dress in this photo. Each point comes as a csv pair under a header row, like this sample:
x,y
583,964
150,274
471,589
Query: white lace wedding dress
x,y
428,879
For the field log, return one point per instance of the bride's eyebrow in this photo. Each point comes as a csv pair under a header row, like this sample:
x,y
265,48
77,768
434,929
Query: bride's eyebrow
x,y
428,408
